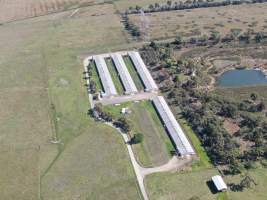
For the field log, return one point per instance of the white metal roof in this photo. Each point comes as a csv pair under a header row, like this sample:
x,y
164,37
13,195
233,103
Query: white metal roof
x,y
178,136
105,77
142,70
125,76
219,183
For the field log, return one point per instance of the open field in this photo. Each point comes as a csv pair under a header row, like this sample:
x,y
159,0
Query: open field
x,y
123,5
13,183
99,158
195,22
156,146
170,186
244,92
42,96
12,10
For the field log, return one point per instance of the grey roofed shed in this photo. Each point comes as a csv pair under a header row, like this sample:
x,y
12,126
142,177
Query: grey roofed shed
x,y
143,72
125,76
105,77
175,131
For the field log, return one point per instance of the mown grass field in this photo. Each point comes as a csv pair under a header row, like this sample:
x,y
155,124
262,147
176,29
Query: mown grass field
x,y
170,186
185,185
156,147
201,21
43,96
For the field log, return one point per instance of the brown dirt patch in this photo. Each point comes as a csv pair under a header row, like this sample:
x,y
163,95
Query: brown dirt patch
x,y
230,126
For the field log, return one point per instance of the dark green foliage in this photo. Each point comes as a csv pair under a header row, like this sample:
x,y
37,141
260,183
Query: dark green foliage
x,y
188,4
98,112
206,111
137,138
123,124
92,87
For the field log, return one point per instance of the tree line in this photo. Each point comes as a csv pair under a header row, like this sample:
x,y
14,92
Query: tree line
x,y
100,114
189,4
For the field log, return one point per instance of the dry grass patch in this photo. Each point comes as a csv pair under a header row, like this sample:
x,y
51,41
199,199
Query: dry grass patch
x,y
204,20
12,10
230,126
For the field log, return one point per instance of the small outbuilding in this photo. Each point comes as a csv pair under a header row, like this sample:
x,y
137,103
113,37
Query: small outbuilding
x,y
125,111
219,183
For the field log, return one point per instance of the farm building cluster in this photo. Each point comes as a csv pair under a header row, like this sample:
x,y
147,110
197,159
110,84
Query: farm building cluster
x,y
124,75
172,127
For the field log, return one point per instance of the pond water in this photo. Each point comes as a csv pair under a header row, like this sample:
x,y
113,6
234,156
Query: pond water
x,y
243,77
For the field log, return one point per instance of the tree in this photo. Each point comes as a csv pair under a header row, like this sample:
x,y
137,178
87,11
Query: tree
x,y
260,106
151,7
258,37
99,112
92,87
246,182
138,8
169,3
123,124
228,110
157,5
153,45
215,36
253,96
137,138
178,40
235,33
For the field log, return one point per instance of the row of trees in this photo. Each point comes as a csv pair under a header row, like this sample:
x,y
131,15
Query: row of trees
x,y
215,38
130,27
189,4
124,124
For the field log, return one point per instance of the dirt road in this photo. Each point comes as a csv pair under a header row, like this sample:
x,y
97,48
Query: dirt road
x,y
126,98
174,164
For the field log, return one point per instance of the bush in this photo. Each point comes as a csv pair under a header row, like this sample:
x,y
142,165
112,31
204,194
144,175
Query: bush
x,y
137,138
123,124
